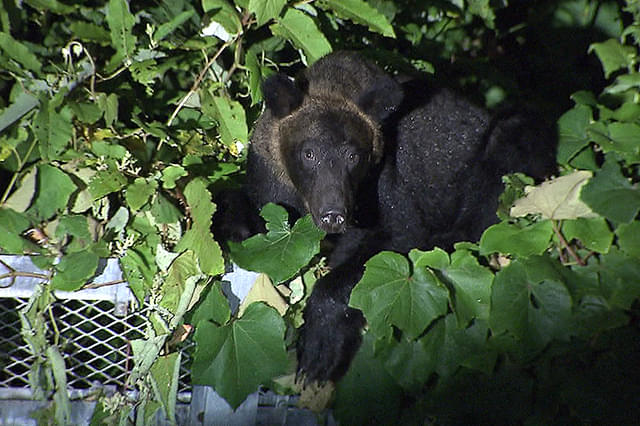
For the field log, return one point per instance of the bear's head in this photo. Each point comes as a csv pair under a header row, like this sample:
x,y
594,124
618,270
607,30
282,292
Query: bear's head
x,y
328,131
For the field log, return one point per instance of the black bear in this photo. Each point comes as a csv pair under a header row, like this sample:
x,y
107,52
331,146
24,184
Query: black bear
x,y
380,166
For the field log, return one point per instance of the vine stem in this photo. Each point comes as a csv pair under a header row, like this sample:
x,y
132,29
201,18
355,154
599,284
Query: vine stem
x,y
566,245
196,83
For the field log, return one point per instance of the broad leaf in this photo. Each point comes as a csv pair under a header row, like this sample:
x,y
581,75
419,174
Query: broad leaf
x,y
300,29
236,358
266,10
594,233
48,202
165,373
613,55
389,295
139,192
556,199
121,21
572,132
511,239
53,129
19,52
229,115
530,301
75,270
283,250
611,195
362,13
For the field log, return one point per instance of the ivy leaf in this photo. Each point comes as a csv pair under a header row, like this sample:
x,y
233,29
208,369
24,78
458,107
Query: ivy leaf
x,y
623,139
360,12
263,290
12,225
611,195
199,237
511,239
283,250
388,295
171,174
75,270
266,10
613,55
49,202
619,278
138,268
557,199
530,301
302,31
230,116
236,358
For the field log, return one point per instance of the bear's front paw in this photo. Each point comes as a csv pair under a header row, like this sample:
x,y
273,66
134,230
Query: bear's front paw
x,y
329,338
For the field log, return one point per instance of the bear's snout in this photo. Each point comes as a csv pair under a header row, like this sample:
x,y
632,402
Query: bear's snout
x,y
333,221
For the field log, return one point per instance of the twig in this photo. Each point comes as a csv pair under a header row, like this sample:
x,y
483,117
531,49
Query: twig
x,y
105,284
196,83
566,245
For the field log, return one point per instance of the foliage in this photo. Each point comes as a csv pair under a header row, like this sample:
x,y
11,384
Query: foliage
x,y
119,121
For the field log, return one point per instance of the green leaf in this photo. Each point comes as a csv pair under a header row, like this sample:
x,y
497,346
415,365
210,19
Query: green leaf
x,y
301,30
48,202
472,286
556,199
214,307
283,250
171,174
87,31
109,105
165,374
230,116
53,129
175,23
121,21
628,238
624,139
21,198
611,195
12,225
388,295
138,268
105,182
511,239
530,301
139,192
236,358
572,132
74,270
86,112
179,290
360,12
613,55
619,278
266,10
223,15
109,150
163,211
593,233
19,53
483,9
367,394
199,237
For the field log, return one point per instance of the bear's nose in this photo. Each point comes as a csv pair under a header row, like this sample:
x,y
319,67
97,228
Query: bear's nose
x,y
333,221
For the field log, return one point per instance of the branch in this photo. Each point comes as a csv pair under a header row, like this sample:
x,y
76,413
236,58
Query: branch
x,y
566,245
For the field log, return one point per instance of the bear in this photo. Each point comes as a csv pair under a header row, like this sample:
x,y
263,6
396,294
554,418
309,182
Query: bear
x,y
380,165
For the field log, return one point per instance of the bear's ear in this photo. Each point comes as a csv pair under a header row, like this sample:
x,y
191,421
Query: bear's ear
x,y
281,95
381,99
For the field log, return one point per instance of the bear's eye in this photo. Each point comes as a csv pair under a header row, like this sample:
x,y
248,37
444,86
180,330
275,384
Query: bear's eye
x,y
354,157
309,154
